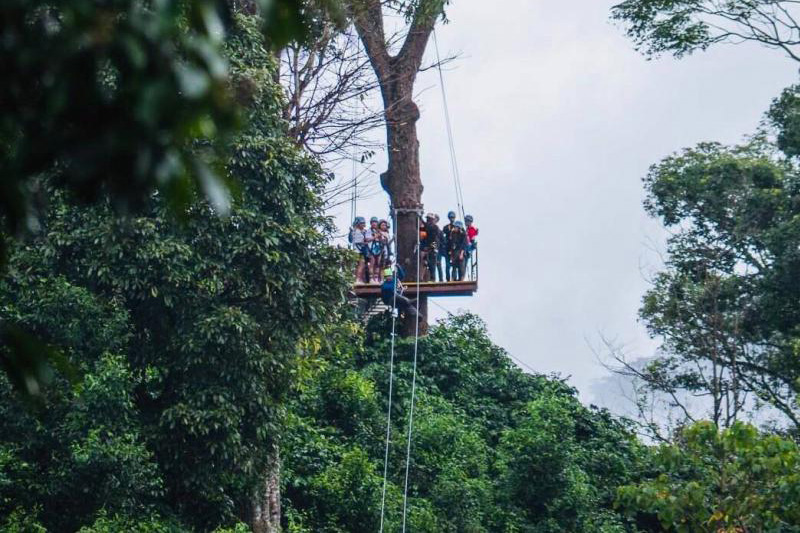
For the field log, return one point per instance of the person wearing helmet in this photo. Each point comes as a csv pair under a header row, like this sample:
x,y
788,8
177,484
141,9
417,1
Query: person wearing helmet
x,y
375,250
392,294
472,238
444,248
359,240
457,242
430,247
472,234
387,241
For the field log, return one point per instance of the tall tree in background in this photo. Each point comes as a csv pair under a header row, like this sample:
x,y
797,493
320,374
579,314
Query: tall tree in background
x,y
726,303
330,90
681,26
396,73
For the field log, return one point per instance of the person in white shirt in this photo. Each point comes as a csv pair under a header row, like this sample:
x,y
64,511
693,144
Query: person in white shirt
x,y
360,238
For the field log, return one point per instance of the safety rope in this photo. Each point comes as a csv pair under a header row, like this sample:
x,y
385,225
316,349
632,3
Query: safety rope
x,y
391,381
391,388
354,197
413,391
448,124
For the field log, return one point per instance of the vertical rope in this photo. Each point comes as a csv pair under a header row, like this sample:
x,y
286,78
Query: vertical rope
x,y
391,385
448,124
354,197
413,393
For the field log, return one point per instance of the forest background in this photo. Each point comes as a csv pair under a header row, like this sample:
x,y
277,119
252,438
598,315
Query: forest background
x,y
175,360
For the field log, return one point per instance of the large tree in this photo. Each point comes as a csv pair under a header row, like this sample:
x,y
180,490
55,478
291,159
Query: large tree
x,y
187,334
116,100
726,303
396,70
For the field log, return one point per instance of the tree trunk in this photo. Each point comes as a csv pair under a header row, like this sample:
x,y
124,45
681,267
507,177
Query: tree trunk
x,y
402,180
396,76
266,516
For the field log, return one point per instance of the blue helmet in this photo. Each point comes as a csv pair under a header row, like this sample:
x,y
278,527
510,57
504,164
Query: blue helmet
x,y
468,218
459,224
359,220
373,219
451,214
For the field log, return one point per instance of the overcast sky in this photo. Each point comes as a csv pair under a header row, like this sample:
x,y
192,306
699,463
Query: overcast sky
x,y
556,119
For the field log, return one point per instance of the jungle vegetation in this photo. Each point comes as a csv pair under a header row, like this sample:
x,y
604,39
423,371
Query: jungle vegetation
x,y
203,370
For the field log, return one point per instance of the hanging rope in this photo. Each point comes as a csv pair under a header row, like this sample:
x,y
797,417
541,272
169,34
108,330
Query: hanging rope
x,y
354,197
391,389
450,142
391,383
413,393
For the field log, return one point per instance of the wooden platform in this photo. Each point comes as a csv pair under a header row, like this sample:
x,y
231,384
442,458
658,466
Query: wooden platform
x,y
430,288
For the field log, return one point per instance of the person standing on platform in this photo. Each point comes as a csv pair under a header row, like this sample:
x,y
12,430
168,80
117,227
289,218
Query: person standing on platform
x,y
358,238
375,251
388,241
472,238
444,250
457,241
429,246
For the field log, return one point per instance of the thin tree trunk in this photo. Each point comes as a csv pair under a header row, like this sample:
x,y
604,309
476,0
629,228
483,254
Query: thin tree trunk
x,y
267,505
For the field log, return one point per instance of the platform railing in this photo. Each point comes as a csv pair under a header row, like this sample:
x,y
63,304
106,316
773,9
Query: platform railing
x,y
472,265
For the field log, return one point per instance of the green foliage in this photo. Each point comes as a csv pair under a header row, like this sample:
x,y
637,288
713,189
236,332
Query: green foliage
x,y
726,305
186,336
493,449
150,524
113,101
732,480
151,75
680,27
785,120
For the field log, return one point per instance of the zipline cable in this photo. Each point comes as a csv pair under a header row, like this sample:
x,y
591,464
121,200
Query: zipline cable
x,y
413,392
391,382
448,124
354,197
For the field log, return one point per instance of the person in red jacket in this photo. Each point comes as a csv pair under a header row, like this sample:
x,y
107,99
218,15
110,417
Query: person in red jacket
x,y
472,232
472,238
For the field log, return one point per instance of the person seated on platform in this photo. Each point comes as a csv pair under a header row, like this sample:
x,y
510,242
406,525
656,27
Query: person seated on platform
x,y
444,249
429,246
358,238
375,251
392,294
457,242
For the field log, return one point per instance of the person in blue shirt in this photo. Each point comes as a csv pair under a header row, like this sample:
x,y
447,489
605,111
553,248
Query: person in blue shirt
x,y
392,294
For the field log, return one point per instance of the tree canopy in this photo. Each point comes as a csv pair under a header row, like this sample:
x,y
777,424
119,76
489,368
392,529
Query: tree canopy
x,y
680,27
185,335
